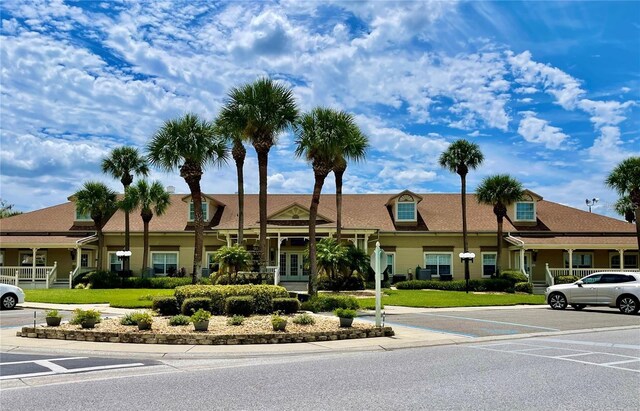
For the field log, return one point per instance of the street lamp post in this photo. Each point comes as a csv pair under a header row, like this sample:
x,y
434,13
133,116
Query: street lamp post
x,y
466,257
592,202
123,255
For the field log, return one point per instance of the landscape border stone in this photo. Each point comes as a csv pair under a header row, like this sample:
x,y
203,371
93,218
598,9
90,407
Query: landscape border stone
x,y
202,338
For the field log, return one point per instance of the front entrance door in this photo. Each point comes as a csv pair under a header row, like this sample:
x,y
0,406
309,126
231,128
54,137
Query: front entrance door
x,y
292,267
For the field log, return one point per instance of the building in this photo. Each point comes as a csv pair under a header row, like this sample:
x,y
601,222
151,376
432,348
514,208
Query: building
x,y
48,246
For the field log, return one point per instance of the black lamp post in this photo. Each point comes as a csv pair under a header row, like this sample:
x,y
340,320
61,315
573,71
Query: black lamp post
x,y
466,257
123,256
592,202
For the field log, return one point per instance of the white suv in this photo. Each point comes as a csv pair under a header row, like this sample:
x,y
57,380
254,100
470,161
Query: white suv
x,y
613,289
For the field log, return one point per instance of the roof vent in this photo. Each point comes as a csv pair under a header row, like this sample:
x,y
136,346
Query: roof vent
x,y
171,189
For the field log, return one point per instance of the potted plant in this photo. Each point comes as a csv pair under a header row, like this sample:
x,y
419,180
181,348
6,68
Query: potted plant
x,y
200,320
346,316
86,318
278,323
144,321
53,318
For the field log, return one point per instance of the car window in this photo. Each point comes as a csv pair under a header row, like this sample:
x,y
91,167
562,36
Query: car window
x,y
627,278
611,278
592,279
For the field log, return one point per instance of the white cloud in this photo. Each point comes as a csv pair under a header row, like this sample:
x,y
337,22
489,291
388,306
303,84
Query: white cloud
x,y
536,130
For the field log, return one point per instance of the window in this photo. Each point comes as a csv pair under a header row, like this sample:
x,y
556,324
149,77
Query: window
x,y
84,260
26,258
630,261
212,264
391,264
525,211
1,258
83,216
115,263
164,263
359,242
489,264
205,211
438,263
580,260
406,208
592,279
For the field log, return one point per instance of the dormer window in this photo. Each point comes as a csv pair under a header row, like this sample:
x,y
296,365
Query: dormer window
x,y
526,209
83,216
205,211
406,208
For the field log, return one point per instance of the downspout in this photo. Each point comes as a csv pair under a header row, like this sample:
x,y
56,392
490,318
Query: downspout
x,y
518,242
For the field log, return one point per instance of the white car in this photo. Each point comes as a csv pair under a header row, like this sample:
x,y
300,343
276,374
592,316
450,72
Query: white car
x,y
612,289
11,295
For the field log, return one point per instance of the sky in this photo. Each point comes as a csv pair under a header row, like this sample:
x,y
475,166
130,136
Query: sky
x,y
550,91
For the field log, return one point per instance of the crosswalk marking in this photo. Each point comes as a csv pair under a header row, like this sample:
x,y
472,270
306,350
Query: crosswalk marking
x,y
59,369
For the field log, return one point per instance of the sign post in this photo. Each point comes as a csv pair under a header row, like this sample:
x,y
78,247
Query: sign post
x,y
378,260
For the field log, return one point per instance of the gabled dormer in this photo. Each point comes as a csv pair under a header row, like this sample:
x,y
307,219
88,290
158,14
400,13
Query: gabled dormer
x,y
209,207
79,217
524,212
404,207
295,214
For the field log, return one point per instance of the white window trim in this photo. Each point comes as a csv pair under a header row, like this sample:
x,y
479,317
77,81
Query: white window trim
x,y
415,211
626,253
177,253
438,253
566,255
109,261
393,266
205,217
1,258
482,254
515,211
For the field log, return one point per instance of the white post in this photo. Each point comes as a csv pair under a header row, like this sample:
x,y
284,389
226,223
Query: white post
x,y
33,265
276,278
17,278
378,284
522,267
621,251
366,244
70,279
570,261
79,257
228,239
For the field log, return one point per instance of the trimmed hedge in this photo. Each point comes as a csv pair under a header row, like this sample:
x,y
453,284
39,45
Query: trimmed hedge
x,y
165,305
328,303
514,276
155,282
286,305
565,279
524,287
191,305
487,284
241,305
263,295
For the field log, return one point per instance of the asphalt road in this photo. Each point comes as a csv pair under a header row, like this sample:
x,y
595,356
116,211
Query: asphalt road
x,y
587,371
492,322
20,317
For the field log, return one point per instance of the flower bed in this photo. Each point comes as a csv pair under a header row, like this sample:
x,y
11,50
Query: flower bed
x,y
254,330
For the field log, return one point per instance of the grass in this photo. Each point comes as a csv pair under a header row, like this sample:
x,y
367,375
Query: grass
x,y
122,298
436,298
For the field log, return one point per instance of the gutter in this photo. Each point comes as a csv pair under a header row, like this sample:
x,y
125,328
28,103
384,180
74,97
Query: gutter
x,y
514,241
86,240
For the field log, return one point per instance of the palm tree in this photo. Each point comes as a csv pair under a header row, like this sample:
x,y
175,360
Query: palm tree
x,y
321,137
458,158
624,207
355,143
499,191
625,179
123,163
239,153
100,202
260,111
189,144
149,199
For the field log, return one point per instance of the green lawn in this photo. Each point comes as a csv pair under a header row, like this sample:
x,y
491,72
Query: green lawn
x,y
124,298
436,298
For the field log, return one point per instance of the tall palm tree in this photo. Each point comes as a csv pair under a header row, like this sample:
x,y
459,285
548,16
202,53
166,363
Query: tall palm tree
x,y
499,191
625,179
189,144
123,163
458,158
321,137
239,153
150,199
355,143
260,111
625,208
100,202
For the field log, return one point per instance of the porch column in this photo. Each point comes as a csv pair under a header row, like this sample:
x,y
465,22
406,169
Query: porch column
x,y
621,251
522,268
228,239
78,258
570,251
276,278
33,265
366,244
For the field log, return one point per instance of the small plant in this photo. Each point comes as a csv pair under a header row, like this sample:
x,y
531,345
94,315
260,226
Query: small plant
x,y
165,305
235,320
52,314
179,320
53,318
200,316
278,323
144,321
345,313
304,319
129,319
86,318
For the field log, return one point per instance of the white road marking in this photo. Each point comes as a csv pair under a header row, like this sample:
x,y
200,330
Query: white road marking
x,y
490,321
58,369
621,362
591,343
53,367
50,359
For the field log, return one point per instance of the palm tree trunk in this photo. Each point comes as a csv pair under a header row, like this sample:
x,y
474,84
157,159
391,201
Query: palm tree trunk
x,y
339,172
127,239
196,196
499,245
145,243
263,159
638,225
100,246
239,165
463,179
313,214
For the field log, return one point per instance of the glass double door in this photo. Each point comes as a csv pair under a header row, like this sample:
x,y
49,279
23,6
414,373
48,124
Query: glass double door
x,y
292,266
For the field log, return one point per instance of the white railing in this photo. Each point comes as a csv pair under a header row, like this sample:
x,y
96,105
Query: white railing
x,y
548,275
275,270
10,279
78,271
581,272
27,273
51,277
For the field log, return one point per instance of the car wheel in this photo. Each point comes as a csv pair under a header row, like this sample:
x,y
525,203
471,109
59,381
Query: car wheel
x,y
9,301
578,306
558,301
628,304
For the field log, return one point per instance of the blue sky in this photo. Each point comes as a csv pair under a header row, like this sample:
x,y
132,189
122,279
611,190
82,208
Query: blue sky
x,y
549,90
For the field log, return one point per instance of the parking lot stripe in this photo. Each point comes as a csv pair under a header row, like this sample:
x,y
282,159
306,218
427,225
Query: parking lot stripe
x,y
50,359
490,321
428,329
621,362
591,343
50,365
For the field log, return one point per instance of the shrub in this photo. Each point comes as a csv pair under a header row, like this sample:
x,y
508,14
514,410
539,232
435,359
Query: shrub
x,y
326,303
235,320
371,285
191,305
52,314
136,317
263,295
304,319
155,282
488,284
514,276
241,305
102,279
80,316
565,279
200,316
179,320
286,305
166,305
524,287
345,313
278,323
